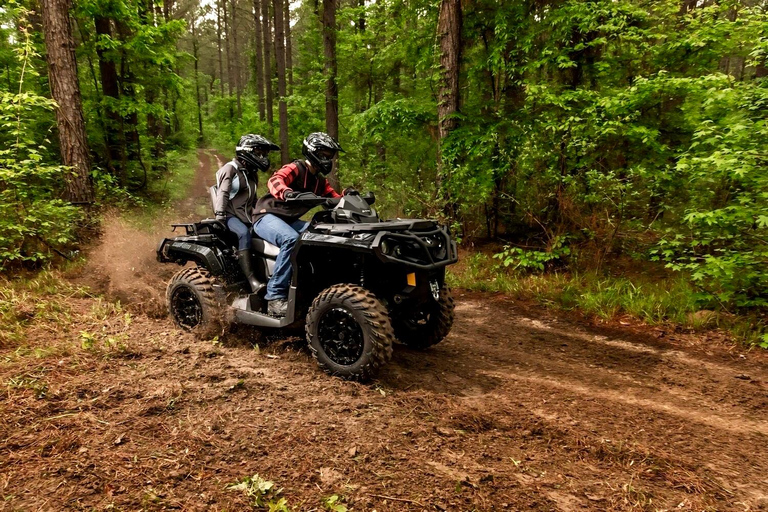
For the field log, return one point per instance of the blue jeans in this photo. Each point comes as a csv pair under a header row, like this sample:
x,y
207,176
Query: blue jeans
x,y
242,231
278,232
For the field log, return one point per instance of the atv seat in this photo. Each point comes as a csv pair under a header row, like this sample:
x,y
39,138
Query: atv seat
x,y
260,246
264,247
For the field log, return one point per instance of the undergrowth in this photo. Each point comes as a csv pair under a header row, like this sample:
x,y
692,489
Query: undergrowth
x,y
41,297
163,194
654,301
44,306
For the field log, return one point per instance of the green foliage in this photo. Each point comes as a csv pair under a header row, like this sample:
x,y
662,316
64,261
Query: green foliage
x,y
334,504
34,222
261,493
650,299
534,260
725,245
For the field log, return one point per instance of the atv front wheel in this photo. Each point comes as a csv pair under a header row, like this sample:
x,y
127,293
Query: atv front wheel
x,y
427,325
191,301
349,332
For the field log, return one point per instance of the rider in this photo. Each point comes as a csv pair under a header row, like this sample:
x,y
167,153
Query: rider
x,y
236,194
278,221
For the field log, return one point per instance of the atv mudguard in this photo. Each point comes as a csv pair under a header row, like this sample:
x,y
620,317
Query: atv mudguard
x,y
199,249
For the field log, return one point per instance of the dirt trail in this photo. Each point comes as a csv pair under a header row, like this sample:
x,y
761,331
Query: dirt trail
x,y
123,265
518,409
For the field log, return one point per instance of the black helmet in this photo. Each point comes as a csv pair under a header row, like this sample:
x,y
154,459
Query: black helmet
x,y
315,145
245,152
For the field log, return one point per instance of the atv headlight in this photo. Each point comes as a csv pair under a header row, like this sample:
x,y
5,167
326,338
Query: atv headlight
x,y
386,247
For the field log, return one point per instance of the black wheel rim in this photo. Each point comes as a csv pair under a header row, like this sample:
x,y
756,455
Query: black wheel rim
x,y
340,336
186,307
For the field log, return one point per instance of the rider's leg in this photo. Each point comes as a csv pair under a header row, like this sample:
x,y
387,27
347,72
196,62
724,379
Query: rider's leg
x,y
236,226
300,225
277,232
244,251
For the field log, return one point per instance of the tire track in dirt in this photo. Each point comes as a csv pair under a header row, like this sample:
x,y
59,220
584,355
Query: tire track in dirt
x,y
652,393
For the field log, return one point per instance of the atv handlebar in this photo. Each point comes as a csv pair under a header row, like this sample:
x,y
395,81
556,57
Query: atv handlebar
x,y
307,199
310,199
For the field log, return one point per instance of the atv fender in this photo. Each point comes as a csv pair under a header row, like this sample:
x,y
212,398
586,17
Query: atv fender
x,y
181,251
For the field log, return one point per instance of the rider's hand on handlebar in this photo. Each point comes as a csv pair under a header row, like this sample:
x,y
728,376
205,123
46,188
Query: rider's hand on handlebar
x,y
350,191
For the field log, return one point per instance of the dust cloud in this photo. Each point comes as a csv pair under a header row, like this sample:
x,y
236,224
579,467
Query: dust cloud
x,y
123,266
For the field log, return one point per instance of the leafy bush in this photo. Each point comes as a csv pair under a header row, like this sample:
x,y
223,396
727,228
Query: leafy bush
x,y
534,260
34,222
724,247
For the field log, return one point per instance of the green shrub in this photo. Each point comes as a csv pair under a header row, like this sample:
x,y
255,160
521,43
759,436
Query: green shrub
x,y
34,222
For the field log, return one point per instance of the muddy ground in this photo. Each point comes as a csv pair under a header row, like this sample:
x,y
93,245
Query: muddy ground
x,y
518,409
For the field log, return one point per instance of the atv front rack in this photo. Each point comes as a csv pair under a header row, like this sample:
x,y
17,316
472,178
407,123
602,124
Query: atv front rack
x,y
422,244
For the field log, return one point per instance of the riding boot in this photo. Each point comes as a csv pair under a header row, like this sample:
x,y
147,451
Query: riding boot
x,y
244,259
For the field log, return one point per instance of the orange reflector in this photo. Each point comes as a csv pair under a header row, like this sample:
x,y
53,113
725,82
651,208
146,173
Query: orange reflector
x,y
412,279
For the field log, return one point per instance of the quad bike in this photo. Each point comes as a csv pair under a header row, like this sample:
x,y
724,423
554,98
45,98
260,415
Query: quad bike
x,y
361,282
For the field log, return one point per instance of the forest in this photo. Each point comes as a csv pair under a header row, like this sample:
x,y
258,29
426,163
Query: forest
x,y
602,166
572,135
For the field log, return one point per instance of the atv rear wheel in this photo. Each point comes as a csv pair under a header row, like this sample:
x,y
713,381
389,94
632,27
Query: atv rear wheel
x,y
428,325
349,332
192,303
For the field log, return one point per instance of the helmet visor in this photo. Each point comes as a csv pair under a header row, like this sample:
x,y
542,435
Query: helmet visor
x,y
326,154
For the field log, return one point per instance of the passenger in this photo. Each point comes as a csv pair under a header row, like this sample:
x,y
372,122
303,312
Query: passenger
x,y
236,195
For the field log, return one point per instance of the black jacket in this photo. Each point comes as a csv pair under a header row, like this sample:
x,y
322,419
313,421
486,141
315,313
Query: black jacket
x,y
236,192
294,177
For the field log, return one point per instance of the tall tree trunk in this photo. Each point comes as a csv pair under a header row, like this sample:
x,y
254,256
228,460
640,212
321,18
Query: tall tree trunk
x,y
331,69
258,47
65,89
218,46
106,131
167,10
238,81
152,94
281,89
130,121
266,32
361,19
449,34
288,45
195,43
227,35
111,90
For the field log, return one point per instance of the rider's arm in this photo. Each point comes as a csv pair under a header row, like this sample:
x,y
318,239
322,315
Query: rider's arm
x,y
328,190
280,182
224,178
